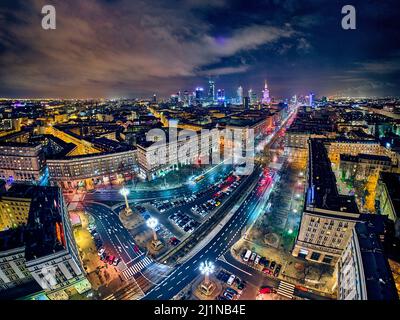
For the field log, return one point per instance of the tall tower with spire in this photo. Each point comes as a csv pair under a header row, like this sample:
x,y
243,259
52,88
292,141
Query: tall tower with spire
x,y
266,98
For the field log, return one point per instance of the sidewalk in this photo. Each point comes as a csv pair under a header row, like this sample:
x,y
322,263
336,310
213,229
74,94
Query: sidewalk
x,y
317,277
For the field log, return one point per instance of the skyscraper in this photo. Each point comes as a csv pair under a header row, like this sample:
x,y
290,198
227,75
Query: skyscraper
x,y
199,94
240,95
211,90
252,96
311,99
266,98
246,102
186,99
221,95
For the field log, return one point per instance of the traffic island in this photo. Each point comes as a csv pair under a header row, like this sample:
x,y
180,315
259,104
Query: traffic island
x,y
206,290
130,219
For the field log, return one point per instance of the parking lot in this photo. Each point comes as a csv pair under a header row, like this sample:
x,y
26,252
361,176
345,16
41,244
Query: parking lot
x,y
233,286
267,266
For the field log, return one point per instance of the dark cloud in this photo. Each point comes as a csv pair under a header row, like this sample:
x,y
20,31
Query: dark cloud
x,y
134,48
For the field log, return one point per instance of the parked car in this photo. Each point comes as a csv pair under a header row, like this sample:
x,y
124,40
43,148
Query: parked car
x,y
228,295
116,261
277,270
272,266
231,279
232,291
266,289
267,271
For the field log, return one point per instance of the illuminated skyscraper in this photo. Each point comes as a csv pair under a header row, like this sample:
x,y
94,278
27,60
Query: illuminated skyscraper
x,y
199,94
266,98
186,99
311,99
253,97
221,95
240,95
211,90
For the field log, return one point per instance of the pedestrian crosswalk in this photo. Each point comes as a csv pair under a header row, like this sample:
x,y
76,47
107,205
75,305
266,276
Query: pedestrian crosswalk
x,y
136,268
286,289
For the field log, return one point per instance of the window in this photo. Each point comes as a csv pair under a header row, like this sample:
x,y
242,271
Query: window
x,y
315,256
327,259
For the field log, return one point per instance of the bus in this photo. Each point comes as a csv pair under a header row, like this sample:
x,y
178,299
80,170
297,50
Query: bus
x,y
247,256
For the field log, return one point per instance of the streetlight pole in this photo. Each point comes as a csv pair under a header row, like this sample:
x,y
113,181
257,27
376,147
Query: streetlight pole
x,y
207,268
124,192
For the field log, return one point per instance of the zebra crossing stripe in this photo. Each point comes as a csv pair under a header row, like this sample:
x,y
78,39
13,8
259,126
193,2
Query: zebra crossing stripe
x,y
136,268
286,289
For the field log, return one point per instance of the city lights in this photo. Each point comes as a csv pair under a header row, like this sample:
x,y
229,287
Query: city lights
x,y
152,223
212,152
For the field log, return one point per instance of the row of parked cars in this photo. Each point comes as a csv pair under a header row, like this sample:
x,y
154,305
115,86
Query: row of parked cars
x,y
269,267
231,280
184,222
165,205
110,259
95,236
226,187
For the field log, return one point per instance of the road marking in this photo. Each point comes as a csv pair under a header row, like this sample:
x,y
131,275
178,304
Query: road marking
x,y
179,273
237,268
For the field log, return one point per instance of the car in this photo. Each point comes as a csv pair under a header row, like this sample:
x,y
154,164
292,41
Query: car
x,y
257,260
228,295
241,286
272,266
224,276
266,289
101,251
231,291
253,256
231,279
266,263
221,298
277,270
267,271
116,261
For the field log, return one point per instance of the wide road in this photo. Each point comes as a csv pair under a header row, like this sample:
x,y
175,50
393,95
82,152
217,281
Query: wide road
x,y
116,239
222,241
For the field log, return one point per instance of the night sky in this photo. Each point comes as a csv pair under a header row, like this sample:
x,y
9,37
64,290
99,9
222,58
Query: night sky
x,y
133,48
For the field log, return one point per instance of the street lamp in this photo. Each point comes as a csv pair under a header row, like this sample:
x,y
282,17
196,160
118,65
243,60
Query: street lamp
x,y
207,268
152,224
125,192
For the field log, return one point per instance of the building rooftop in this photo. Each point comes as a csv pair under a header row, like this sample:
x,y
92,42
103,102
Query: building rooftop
x,y
322,191
12,239
44,231
377,273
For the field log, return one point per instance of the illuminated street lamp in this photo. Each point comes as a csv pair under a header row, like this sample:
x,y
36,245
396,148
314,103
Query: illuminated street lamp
x,y
290,231
207,268
125,192
152,223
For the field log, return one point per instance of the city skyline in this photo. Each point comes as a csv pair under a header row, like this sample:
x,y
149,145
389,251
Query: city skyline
x,y
113,49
